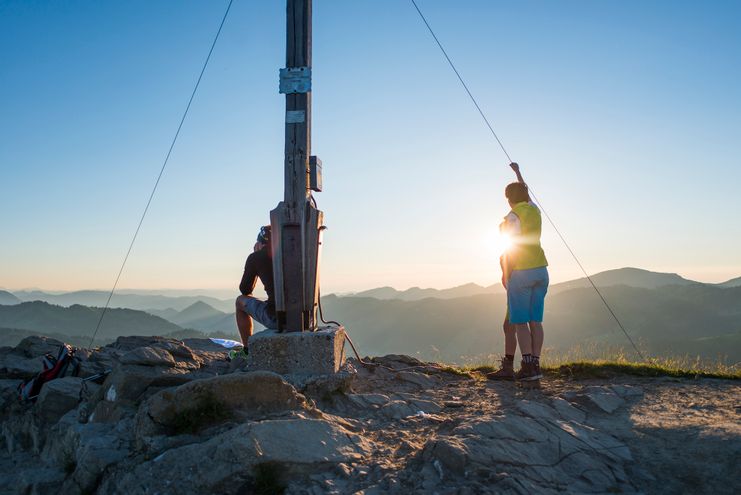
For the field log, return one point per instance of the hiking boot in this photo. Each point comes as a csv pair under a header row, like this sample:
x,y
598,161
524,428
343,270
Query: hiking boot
x,y
506,371
538,373
528,372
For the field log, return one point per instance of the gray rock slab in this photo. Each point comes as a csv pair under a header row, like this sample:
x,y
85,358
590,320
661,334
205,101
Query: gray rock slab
x,y
604,398
536,410
627,391
422,380
567,411
451,452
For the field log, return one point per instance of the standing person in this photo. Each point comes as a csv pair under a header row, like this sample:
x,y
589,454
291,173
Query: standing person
x,y
259,265
525,276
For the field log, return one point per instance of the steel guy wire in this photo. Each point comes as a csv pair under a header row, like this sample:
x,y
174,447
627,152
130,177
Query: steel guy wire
x,y
162,170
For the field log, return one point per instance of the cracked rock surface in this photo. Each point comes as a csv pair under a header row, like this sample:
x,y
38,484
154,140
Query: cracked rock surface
x,y
177,417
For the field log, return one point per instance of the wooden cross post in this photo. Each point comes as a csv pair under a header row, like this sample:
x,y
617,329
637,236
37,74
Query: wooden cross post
x,y
296,223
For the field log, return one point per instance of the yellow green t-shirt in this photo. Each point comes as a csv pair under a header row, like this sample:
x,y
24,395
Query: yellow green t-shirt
x,y
523,224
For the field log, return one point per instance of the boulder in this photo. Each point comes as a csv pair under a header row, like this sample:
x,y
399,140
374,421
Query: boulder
x,y
57,397
37,345
8,393
249,395
451,452
38,480
148,356
129,382
111,412
19,366
132,342
85,451
214,466
23,431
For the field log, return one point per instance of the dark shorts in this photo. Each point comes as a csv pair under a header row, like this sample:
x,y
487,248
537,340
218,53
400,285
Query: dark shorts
x,y
258,310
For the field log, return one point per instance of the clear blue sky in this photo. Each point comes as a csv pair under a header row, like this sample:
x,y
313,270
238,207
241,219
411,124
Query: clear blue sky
x,y
624,115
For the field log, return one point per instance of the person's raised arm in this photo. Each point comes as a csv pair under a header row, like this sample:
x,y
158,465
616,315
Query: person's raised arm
x,y
516,168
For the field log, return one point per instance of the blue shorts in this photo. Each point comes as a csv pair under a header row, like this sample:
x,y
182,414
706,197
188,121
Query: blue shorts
x,y
258,310
526,295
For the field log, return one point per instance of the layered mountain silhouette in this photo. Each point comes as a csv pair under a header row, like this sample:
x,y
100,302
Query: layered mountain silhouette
x,y
416,293
77,320
145,301
734,282
7,298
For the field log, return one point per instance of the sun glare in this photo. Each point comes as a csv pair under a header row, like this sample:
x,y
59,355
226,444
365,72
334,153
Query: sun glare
x,y
497,242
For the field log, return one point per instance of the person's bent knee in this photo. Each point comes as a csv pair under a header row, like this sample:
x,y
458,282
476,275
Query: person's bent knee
x,y
241,303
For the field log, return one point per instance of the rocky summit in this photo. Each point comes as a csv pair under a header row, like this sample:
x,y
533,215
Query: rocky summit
x,y
175,416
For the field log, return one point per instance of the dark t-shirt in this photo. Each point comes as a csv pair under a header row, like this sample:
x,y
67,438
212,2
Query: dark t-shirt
x,y
259,264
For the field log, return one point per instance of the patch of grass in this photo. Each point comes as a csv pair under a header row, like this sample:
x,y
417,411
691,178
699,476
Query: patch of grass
x,y
607,369
267,480
595,360
207,411
604,369
455,370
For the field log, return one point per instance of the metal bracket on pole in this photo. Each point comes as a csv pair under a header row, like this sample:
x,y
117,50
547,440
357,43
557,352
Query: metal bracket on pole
x,y
295,80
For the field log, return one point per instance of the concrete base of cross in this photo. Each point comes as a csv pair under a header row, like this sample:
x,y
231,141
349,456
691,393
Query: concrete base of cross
x,y
298,353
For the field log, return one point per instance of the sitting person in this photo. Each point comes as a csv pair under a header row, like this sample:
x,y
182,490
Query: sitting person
x,y
259,264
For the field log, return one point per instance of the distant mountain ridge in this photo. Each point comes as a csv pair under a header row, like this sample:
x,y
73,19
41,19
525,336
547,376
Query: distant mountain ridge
x,y
96,298
42,317
631,277
167,305
8,298
417,293
695,319
734,282
201,316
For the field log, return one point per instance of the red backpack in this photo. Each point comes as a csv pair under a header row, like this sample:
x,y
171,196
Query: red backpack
x,y
65,364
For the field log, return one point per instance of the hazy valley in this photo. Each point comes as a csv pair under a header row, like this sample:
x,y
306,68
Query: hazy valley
x,y
664,313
